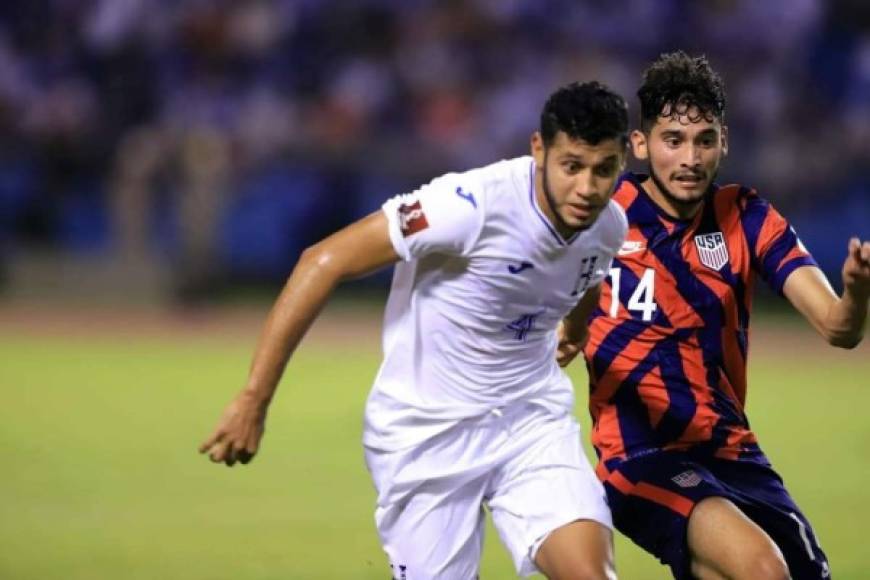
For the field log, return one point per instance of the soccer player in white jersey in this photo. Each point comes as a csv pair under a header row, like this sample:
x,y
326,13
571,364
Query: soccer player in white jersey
x,y
498,270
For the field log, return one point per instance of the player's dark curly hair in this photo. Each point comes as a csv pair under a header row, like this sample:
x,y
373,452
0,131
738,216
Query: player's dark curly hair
x,y
679,83
588,111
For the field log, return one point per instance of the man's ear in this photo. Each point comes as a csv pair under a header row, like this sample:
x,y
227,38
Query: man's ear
x,y
639,146
724,138
537,149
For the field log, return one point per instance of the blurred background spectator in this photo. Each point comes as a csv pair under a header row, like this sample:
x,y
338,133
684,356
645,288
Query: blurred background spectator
x,y
191,145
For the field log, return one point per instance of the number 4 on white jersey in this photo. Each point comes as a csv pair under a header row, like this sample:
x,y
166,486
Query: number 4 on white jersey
x,y
641,299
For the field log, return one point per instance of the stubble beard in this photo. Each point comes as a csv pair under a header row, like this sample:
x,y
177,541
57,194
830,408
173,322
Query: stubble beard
x,y
561,224
683,204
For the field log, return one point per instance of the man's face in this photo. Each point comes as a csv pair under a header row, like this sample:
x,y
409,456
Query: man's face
x,y
575,180
684,151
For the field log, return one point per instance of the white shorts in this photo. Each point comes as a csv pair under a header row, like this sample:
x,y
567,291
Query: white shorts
x,y
524,463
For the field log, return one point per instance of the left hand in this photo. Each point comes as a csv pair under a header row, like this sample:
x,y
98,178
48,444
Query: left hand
x,y
569,346
856,269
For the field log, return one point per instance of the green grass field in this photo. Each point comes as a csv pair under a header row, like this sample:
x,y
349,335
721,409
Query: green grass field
x,y
101,479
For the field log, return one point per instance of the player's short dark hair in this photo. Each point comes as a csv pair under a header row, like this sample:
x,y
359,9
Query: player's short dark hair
x,y
588,111
678,83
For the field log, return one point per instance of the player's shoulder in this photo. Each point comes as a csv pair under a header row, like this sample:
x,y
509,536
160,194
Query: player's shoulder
x,y
614,218
611,226
501,178
743,203
738,197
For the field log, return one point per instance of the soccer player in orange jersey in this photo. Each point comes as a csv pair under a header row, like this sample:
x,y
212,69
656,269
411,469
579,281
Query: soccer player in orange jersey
x,y
685,477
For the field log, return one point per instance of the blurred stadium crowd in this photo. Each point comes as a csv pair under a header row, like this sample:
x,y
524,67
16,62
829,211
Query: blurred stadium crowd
x,y
222,136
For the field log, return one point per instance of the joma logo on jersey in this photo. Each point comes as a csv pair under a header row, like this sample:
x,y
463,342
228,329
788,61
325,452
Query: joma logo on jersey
x,y
412,219
469,197
712,250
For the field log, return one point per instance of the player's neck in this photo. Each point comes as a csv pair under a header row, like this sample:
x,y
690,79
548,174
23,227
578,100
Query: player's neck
x,y
675,208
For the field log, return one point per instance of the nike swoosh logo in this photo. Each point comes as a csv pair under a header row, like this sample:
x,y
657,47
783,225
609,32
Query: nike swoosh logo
x,y
630,248
517,269
469,197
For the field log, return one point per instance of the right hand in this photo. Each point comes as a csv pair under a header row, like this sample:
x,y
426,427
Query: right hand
x,y
238,432
569,346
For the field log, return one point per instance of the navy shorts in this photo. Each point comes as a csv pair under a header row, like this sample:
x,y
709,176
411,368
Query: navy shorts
x,y
652,496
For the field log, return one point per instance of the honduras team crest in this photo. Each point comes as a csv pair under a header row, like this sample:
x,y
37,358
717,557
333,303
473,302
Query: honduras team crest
x,y
712,250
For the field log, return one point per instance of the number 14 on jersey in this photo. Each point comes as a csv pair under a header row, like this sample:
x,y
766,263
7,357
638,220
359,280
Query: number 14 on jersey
x,y
641,300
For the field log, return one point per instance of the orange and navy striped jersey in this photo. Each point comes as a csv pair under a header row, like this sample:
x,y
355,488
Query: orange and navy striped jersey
x,y
669,339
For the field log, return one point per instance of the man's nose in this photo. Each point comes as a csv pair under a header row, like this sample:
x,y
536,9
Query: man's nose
x,y
691,155
584,184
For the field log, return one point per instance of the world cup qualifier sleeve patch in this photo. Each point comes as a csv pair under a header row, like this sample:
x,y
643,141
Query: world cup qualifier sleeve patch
x,y
412,219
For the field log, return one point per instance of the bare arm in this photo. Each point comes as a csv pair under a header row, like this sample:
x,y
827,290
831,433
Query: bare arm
x,y
574,329
357,250
840,320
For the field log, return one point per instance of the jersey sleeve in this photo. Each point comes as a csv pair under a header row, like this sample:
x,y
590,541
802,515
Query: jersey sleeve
x,y
445,216
775,247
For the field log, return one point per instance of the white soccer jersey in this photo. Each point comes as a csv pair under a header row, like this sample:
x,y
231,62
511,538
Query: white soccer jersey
x,y
470,323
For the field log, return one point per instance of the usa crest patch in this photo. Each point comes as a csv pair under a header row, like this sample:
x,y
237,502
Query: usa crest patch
x,y
712,250
687,479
